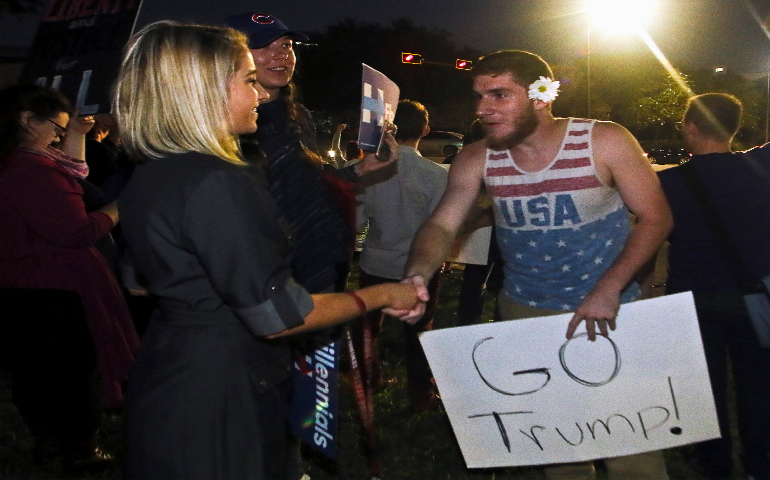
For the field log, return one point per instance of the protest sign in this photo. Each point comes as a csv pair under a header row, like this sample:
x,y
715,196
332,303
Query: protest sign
x,y
379,101
472,248
315,399
78,49
519,393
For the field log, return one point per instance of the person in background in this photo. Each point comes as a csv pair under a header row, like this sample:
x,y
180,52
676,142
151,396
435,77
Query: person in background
x,y
100,155
352,151
737,184
208,396
320,208
396,201
64,323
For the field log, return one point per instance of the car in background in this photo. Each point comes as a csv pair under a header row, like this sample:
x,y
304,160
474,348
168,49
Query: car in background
x,y
440,144
668,156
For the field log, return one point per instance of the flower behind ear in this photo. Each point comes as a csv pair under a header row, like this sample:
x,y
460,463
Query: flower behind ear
x,y
544,89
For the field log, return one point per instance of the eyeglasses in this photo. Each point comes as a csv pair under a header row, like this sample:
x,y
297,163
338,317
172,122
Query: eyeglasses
x,y
59,129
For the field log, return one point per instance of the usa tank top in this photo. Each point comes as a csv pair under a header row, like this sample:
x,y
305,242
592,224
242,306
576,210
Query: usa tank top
x,y
560,228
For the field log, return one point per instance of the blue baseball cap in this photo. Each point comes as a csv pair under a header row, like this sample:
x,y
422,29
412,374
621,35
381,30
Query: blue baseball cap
x,y
262,29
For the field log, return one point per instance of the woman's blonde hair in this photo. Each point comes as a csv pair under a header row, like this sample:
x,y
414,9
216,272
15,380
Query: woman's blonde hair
x,y
172,92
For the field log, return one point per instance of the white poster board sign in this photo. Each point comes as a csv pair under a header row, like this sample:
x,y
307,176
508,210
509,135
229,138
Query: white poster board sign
x,y
519,393
473,248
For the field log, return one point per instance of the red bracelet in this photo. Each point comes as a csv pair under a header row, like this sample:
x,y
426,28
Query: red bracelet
x,y
359,301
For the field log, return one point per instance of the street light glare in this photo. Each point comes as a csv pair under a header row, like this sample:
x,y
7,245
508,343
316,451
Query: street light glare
x,y
620,15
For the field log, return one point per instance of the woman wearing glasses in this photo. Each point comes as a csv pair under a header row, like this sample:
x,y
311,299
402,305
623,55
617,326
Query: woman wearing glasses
x,y
63,318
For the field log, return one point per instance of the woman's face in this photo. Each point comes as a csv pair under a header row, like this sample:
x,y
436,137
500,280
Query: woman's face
x,y
43,131
245,95
275,65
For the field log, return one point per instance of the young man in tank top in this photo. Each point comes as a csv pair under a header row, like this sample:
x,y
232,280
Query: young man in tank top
x,y
562,190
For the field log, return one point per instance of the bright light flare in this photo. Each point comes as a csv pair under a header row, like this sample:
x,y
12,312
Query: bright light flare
x,y
620,16
666,64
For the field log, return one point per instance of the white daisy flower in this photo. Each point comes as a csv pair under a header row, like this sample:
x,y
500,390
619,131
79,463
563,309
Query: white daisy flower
x,y
544,89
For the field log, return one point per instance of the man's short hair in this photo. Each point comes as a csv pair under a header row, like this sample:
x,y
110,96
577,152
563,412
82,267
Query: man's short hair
x,y
525,67
717,115
411,119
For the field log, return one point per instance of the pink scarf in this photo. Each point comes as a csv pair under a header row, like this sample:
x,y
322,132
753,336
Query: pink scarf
x,y
76,168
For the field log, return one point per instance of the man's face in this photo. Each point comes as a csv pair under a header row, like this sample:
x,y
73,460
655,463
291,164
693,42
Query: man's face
x,y
275,65
505,110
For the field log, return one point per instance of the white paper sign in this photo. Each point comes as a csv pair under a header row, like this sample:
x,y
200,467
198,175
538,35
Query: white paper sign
x,y
473,248
519,393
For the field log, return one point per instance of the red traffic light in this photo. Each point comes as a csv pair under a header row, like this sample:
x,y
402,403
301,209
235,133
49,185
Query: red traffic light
x,y
463,64
414,58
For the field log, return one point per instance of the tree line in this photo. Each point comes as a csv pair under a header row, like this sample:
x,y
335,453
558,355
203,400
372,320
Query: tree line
x,y
635,91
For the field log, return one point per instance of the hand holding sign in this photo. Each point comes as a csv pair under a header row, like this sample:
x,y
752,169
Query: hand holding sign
x,y
600,307
518,394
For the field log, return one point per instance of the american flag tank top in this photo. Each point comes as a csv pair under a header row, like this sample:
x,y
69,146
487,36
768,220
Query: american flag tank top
x,y
559,228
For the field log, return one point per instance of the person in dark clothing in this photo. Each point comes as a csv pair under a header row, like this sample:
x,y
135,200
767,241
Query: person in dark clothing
x,y
395,205
100,154
208,397
286,138
737,183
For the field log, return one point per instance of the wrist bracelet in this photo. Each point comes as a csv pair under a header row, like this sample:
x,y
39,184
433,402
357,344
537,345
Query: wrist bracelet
x,y
359,301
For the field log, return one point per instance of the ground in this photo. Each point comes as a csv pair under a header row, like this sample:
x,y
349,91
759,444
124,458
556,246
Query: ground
x,y
411,446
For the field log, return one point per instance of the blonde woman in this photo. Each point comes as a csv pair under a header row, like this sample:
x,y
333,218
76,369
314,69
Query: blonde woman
x,y
208,395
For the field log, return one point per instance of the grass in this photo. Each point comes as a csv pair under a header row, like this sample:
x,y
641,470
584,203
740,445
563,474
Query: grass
x,y
411,446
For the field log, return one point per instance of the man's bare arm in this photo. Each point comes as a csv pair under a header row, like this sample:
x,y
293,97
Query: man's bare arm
x,y
434,239
621,161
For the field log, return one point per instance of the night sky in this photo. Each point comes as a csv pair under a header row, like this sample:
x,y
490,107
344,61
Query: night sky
x,y
695,33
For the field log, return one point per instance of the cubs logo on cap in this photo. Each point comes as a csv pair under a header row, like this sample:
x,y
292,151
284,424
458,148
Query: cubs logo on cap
x,y
262,18
262,29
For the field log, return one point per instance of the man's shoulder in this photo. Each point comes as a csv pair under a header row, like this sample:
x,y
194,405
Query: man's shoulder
x,y
469,163
431,167
671,178
607,131
413,157
760,153
474,153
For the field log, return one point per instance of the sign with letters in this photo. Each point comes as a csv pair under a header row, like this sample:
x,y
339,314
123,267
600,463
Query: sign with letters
x,y
78,49
472,248
519,393
315,394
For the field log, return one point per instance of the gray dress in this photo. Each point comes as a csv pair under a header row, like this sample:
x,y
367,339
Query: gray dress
x,y
208,395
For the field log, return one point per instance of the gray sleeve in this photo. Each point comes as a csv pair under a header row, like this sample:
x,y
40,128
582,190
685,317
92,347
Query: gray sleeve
x,y
231,227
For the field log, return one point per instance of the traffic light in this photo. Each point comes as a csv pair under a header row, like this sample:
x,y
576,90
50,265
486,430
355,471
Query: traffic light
x,y
414,58
463,64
